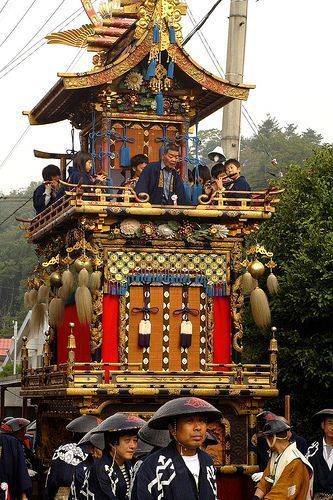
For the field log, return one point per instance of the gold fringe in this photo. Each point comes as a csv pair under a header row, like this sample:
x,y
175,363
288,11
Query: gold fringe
x,y
83,278
43,294
95,281
56,312
83,302
260,308
26,300
272,284
63,293
67,279
247,283
38,317
33,297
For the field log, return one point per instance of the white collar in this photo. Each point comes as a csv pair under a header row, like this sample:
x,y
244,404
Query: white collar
x,y
326,444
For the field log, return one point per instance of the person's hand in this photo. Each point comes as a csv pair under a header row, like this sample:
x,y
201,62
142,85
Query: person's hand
x,y
257,476
101,177
219,184
32,473
48,188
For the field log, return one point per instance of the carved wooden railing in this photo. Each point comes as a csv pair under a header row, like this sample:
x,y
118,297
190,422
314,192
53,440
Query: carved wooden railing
x,y
102,199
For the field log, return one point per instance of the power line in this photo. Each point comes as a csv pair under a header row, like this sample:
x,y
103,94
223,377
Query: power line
x,y
15,146
18,22
31,53
220,70
38,31
201,23
42,39
4,6
13,213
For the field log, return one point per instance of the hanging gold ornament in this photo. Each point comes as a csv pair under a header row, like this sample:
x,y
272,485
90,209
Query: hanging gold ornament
x,y
55,279
256,269
272,283
56,312
247,283
83,298
82,262
260,308
67,279
95,281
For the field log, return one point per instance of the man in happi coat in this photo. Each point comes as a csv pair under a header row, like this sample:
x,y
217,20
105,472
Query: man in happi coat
x,y
162,181
320,456
288,474
66,457
15,483
95,445
111,477
181,470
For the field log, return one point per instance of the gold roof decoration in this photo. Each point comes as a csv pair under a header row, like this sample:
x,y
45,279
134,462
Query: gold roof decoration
x,y
74,38
165,14
109,21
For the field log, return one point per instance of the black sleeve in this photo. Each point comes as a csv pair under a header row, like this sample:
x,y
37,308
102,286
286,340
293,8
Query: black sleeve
x,y
38,199
140,486
243,185
142,186
22,478
180,191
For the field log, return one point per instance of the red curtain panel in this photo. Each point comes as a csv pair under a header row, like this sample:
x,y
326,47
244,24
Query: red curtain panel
x,y
222,331
110,329
82,337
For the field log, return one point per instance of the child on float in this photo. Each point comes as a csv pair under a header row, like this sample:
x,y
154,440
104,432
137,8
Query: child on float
x,y
82,171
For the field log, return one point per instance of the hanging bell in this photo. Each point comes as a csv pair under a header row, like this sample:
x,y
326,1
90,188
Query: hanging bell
x,y
55,279
256,269
82,262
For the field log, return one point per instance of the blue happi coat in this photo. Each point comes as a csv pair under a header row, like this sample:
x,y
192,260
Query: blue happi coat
x,y
13,469
165,476
105,480
64,460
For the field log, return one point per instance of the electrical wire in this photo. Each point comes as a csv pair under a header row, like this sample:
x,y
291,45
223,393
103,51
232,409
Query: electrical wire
x,y
18,22
2,164
15,211
61,25
201,23
38,31
44,42
4,6
220,70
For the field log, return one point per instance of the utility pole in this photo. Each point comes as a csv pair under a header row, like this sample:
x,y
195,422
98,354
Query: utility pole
x,y
234,73
15,346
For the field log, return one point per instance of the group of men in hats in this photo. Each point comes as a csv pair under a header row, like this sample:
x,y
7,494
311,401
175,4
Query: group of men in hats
x,y
290,474
170,461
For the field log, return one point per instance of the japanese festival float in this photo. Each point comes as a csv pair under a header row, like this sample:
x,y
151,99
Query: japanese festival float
x,y
144,302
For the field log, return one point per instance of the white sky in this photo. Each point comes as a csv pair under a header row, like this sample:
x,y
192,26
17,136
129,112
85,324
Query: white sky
x,y
287,58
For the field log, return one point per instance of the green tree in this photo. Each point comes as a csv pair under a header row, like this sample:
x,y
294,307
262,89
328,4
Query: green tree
x,y
17,259
301,237
285,144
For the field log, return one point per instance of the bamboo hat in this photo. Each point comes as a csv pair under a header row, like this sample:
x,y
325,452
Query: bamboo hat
x,y
119,423
155,438
321,415
16,424
96,440
83,424
181,407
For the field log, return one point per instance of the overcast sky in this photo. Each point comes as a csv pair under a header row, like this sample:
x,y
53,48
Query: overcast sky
x,y
287,58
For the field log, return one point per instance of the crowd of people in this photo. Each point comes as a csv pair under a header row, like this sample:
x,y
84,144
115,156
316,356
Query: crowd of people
x,y
126,458
160,180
